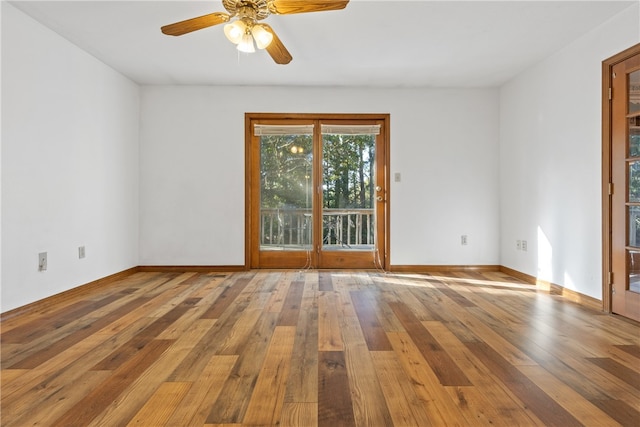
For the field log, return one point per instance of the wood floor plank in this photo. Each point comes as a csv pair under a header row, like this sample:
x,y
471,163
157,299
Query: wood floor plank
x,y
473,319
161,405
404,406
202,352
267,398
8,375
374,334
202,394
334,395
443,366
115,359
302,386
632,349
66,366
93,403
329,333
439,406
619,411
618,370
225,299
232,404
310,348
15,353
297,414
46,324
57,347
279,294
582,409
290,310
369,405
325,283
52,401
105,320
543,406
134,396
494,405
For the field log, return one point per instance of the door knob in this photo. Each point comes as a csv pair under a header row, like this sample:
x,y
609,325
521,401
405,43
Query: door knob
x,y
378,188
379,198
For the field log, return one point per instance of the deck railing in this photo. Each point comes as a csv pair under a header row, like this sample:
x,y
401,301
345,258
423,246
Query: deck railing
x,y
293,227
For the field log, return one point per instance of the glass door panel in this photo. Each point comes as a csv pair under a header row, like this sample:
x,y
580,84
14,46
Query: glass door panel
x,y
348,181
286,197
633,180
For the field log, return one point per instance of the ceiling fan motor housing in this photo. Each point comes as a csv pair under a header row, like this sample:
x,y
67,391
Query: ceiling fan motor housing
x,y
253,9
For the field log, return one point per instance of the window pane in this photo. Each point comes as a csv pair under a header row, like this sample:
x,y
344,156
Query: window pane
x,y
633,262
285,192
634,92
634,226
634,137
348,182
634,181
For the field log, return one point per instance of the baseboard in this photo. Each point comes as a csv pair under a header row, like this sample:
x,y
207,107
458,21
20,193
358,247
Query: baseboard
x,y
554,289
440,268
68,294
191,268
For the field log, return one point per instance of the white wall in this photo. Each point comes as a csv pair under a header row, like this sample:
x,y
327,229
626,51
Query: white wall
x,y
443,142
550,160
69,164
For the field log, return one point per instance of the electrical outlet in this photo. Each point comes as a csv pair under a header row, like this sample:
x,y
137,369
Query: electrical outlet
x,y
519,245
463,239
81,253
524,245
42,261
397,177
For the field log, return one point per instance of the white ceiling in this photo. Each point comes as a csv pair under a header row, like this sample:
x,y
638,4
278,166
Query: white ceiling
x,y
370,43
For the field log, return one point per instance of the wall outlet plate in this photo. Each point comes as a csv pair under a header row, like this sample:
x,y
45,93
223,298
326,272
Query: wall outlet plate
x,y
81,253
42,261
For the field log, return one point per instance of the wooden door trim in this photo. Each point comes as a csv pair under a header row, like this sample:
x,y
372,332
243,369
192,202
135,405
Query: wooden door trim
x,y
607,167
251,117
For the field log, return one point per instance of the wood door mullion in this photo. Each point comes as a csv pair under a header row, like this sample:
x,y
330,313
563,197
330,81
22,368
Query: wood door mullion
x,y
317,196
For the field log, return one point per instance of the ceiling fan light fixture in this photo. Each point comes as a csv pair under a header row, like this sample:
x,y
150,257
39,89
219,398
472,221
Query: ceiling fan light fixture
x,y
262,37
235,31
246,44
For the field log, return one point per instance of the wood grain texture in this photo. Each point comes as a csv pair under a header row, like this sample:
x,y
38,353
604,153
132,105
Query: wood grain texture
x,y
157,410
318,348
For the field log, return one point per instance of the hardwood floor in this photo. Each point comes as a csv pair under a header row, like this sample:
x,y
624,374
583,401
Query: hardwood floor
x,y
319,348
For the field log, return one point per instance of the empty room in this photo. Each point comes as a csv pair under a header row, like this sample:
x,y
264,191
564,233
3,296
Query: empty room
x,y
320,213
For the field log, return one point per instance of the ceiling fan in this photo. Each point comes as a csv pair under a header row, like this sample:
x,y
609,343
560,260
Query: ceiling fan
x,y
246,29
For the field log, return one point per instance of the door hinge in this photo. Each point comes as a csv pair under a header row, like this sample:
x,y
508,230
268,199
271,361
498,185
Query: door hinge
x,y
610,94
611,188
611,280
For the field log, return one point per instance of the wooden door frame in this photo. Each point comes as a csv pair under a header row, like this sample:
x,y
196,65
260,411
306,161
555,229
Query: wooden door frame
x,y
250,117
607,167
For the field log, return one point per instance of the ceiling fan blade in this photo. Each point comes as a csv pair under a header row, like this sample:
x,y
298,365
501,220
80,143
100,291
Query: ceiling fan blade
x,y
193,24
287,7
276,49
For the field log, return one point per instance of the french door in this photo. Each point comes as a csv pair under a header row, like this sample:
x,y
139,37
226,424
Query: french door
x,y
317,191
625,186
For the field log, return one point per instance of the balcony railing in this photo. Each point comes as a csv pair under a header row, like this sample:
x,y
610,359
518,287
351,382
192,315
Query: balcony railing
x,y
291,229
